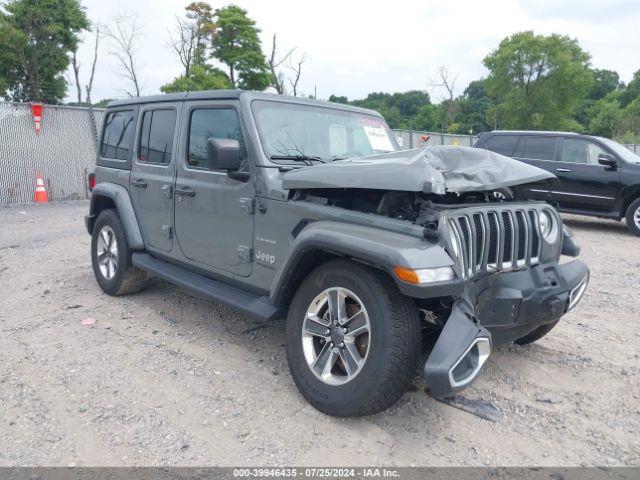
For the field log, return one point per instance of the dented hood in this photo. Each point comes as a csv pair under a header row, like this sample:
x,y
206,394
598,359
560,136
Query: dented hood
x,y
438,170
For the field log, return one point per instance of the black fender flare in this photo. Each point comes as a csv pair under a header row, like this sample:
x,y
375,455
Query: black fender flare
x,y
379,248
120,197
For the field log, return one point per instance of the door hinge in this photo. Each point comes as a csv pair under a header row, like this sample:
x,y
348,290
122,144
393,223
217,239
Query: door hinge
x,y
167,190
248,205
166,231
245,253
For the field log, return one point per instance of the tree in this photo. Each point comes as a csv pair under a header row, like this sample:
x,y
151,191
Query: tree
x,y
539,79
604,117
449,106
237,45
604,82
125,36
631,91
192,35
201,77
36,40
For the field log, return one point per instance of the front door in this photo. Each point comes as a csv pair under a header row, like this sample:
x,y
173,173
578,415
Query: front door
x,y
213,212
153,172
585,184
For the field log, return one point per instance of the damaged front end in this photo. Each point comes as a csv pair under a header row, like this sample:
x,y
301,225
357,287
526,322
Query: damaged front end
x,y
501,280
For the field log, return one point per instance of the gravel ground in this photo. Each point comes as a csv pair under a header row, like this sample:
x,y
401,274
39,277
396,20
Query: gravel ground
x,y
164,378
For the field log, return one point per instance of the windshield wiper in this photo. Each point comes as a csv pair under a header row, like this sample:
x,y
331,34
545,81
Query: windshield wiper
x,y
308,159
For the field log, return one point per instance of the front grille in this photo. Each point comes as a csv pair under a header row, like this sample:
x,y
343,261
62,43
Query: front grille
x,y
498,239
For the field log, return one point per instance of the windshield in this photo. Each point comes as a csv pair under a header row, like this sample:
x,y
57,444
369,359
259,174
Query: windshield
x,y
290,131
620,150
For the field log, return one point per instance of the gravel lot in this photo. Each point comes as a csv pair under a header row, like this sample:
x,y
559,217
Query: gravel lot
x,y
164,378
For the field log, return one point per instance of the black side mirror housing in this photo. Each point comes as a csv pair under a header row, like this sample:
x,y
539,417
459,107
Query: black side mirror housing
x,y
608,160
223,154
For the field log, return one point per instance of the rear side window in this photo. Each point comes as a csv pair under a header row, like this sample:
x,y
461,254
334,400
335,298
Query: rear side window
x,y
539,148
502,144
211,123
118,135
156,136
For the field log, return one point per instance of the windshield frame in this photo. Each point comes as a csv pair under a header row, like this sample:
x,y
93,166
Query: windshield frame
x,y
620,151
316,105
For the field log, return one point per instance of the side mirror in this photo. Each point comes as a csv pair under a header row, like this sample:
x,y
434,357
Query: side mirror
x,y
608,160
223,154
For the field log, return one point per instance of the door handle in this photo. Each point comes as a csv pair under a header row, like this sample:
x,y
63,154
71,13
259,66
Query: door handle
x,y
185,192
562,170
139,183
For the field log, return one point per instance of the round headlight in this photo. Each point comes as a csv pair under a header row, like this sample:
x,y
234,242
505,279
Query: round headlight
x,y
547,227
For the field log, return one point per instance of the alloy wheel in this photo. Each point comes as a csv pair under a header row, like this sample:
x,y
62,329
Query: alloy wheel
x,y
336,336
107,252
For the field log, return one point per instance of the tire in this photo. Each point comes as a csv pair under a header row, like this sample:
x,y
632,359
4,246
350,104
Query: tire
x,y
118,276
393,342
536,335
633,217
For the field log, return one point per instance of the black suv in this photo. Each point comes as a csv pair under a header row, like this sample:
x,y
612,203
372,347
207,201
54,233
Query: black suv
x,y
598,177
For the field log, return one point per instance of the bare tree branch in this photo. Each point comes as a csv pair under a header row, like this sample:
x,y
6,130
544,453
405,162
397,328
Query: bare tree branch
x,y
184,43
446,80
296,67
275,63
89,86
75,64
125,36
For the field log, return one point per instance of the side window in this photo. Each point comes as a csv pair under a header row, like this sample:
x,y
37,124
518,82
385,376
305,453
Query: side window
x,y
540,148
156,136
502,144
209,123
575,150
118,135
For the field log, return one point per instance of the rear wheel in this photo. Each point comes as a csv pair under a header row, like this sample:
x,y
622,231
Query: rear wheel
x,y
111,257
633,217
353,340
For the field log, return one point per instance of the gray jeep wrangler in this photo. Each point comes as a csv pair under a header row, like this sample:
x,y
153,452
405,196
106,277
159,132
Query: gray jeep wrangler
x,y
281,206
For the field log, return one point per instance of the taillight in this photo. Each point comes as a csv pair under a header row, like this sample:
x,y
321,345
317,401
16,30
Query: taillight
x,y
92,181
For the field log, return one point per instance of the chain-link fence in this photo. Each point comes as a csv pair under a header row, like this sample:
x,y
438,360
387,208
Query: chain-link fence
x,y
409,139
64,152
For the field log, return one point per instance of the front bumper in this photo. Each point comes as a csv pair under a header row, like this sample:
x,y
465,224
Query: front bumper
x,y
497,309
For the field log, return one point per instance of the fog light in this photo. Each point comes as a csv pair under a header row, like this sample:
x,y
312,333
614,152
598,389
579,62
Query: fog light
x,y
424,275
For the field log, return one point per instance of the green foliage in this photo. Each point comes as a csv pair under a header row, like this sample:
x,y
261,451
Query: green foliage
x,y
201,16
604,82
604,117
632,90
201,77
539,80
236,44
36,38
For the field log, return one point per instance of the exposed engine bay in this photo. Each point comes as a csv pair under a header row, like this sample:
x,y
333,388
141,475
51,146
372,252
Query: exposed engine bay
x,y
418,208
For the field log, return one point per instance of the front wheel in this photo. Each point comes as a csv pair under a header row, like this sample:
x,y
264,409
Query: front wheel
x,y
353,340
633,217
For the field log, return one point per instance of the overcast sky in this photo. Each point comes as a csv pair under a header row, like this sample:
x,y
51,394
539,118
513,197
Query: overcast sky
x,y
357,47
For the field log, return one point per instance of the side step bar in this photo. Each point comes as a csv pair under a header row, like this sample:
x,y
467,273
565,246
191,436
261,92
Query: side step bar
x,y
259,307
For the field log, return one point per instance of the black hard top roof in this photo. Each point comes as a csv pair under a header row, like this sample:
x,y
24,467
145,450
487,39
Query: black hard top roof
x,y
233,94
533,133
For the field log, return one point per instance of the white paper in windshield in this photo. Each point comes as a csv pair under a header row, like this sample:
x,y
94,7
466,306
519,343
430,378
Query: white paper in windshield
x,y
378,138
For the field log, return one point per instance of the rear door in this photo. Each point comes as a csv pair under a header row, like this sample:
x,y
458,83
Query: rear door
x,y
153,172
539,151
213,212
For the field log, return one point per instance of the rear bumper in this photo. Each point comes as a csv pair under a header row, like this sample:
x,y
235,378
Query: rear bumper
x,y
498,309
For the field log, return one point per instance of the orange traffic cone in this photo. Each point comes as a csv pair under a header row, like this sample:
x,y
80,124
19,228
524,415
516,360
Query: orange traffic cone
x,y
41,192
